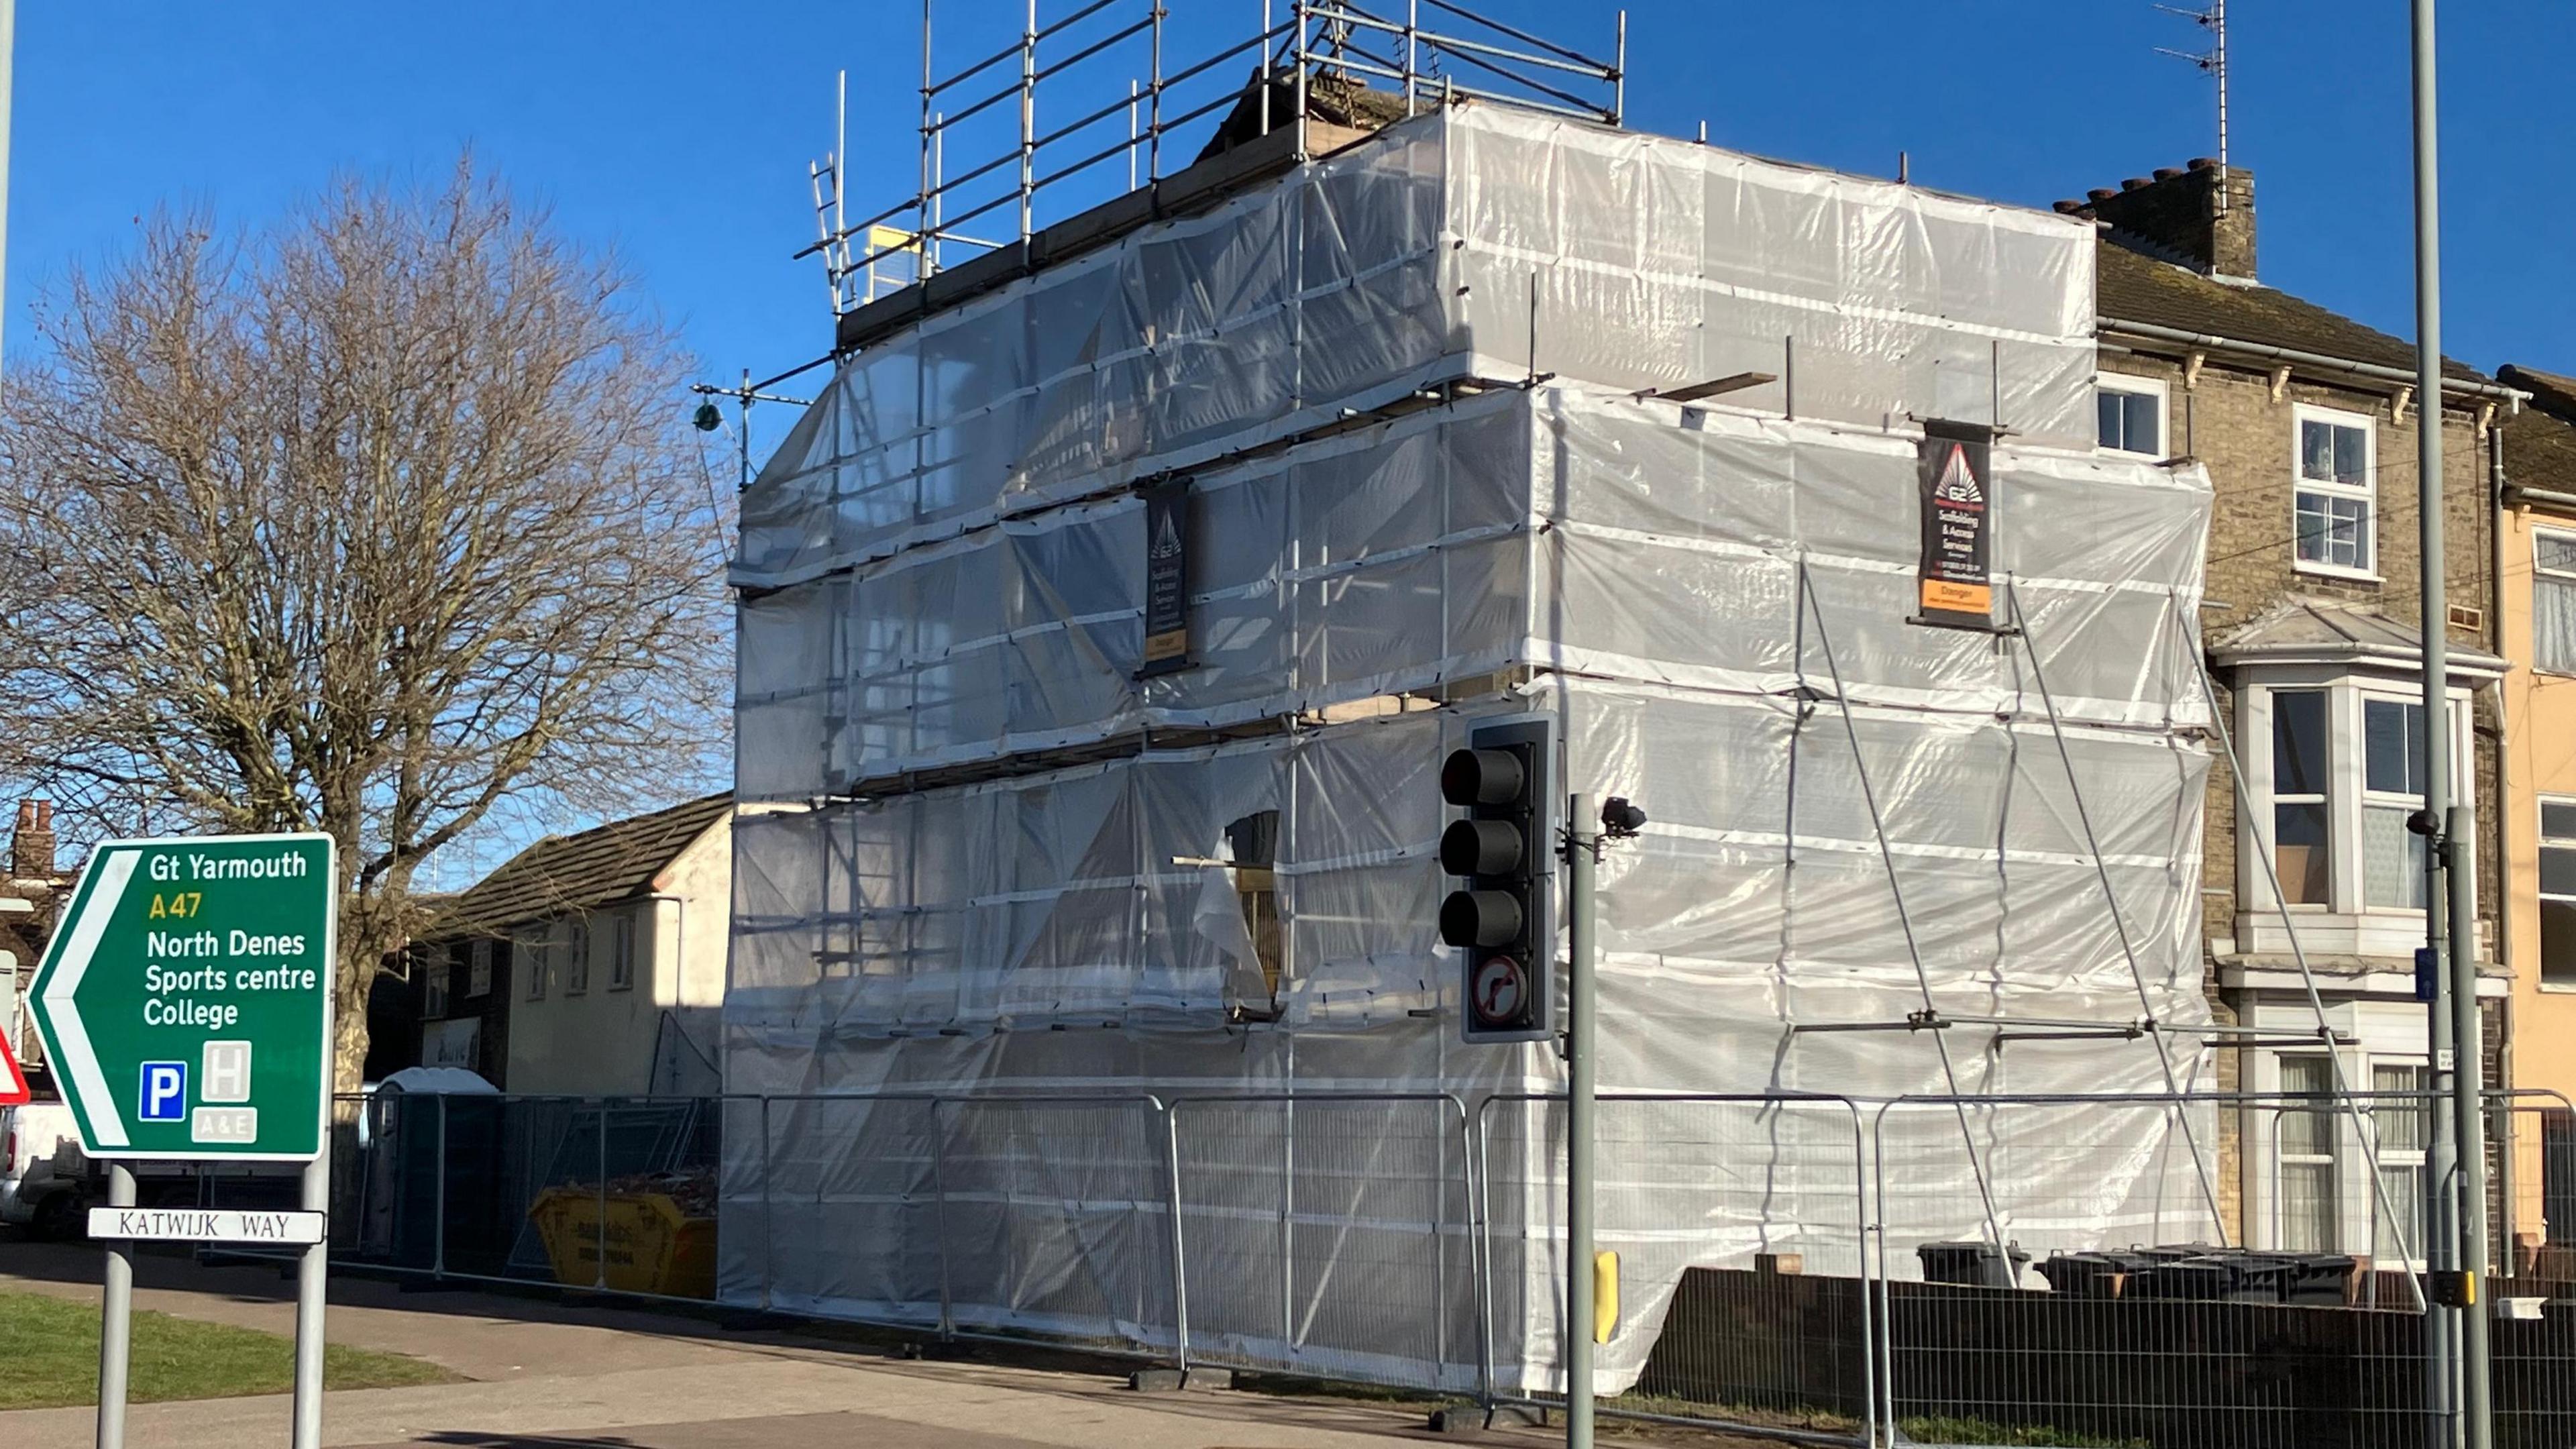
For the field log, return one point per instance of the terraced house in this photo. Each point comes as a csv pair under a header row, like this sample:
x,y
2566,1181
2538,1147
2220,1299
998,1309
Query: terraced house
x,y
2307,421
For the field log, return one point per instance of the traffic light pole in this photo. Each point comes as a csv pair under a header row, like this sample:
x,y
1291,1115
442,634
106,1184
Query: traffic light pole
x,y
1582,848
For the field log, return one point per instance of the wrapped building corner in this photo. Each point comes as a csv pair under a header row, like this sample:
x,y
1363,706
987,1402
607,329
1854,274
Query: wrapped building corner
x,y
1405,386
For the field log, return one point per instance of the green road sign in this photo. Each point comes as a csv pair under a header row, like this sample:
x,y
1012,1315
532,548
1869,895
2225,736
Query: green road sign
x,y
185,1000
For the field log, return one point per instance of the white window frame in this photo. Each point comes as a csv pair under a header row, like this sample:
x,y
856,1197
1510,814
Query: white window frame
x,y
621,951
2377,1031
2411,1159
576,956
2373,798
478,971
2302,414
2544,576
2346,923
2544,841
2135,386
535,954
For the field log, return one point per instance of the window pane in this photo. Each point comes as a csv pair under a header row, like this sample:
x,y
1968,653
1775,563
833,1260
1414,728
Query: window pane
x,y
2299,853
2402,1124
2558,942
2299,742
2308,1207
2109,419
2393,734
2351,457
2557,871
2555,551
2138,428
2316,450
2392,859
2558,820
2399,1238
2308,1132
2553,624
2334,530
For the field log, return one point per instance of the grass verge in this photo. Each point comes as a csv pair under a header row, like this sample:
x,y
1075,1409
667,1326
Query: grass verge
x,y
50,1348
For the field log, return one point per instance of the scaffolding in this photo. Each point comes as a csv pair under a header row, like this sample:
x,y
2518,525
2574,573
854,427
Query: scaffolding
x,y
1085,88
1487,407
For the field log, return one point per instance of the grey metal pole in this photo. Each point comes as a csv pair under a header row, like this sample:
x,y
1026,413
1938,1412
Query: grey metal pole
x,y
312,1274
116,1314
1582,839
2468,1043
8,48
2456,1165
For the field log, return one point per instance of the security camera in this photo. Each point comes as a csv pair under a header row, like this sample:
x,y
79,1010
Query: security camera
x,y
1621,819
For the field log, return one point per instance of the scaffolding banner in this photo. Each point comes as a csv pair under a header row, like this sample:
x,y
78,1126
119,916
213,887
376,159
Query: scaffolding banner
x,y
1956,462
1167,579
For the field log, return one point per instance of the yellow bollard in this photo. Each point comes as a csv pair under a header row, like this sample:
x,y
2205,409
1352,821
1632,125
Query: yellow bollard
x,y
1605,1295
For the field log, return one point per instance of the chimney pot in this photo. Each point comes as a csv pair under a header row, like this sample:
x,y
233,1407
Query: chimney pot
x,y
2069,207
2101,193
2188,213
31,849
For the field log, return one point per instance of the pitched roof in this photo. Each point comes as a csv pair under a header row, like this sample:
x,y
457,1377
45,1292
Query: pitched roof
x,y
566,873
2131,286
2298,630
2552,393
2539,449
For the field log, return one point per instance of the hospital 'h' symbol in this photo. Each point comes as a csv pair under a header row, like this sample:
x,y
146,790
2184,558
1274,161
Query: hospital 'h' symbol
x,y
165,1092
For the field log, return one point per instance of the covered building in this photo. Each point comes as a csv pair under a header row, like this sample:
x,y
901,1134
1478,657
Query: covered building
x,y
1106,620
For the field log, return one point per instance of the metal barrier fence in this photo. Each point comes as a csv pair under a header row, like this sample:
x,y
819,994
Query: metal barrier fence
x,y
1999,1270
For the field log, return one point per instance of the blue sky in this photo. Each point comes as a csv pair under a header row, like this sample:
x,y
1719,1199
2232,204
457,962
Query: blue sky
x,y
679,133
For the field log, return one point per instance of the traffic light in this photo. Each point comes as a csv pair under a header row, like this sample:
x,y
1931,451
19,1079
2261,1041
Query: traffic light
x,y
1503,920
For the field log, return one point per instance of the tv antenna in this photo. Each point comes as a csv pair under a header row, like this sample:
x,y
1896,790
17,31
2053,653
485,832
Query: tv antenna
x,y
2212,63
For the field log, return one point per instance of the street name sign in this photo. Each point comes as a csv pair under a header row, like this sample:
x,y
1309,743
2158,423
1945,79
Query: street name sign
x,y
202,1225
185,1000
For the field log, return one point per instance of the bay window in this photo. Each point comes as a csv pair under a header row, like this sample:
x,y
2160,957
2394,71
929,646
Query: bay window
x,y
2342,774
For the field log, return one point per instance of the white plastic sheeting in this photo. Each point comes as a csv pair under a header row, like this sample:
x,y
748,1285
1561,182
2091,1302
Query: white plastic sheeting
x,y
1449,245
1400,558
944,570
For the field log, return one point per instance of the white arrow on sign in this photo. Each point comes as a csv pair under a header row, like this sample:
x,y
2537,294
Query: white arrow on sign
x,y
106,1126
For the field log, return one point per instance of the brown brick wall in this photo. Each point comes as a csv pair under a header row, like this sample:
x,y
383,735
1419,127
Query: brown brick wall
x,y
2230,421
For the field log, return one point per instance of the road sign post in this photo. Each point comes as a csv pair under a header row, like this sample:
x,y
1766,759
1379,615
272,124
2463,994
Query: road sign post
x,y
185,1003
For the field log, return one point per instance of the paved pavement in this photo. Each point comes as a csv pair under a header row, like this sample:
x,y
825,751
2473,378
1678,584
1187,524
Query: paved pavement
x,y
540,1374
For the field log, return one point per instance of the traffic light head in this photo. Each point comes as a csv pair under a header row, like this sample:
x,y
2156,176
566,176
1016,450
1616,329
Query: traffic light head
x,y
1501,920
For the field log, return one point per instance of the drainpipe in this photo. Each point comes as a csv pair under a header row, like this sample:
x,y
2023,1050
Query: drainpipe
x,y
2503,1130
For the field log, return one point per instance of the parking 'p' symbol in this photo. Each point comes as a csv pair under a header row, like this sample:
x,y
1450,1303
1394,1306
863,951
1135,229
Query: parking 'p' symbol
x,y
165,1092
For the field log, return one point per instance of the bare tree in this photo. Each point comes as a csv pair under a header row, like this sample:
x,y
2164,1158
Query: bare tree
x,y
370,522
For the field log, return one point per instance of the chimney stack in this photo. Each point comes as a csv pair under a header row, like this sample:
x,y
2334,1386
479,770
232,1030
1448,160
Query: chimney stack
x,y
31,846
2197,211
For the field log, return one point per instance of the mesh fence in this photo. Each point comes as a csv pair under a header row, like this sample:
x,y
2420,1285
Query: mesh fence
x,y
1994,1271
1331,1236
1739,1225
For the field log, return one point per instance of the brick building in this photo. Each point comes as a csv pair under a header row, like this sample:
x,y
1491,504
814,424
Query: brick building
x,y
2536,610
2307,422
